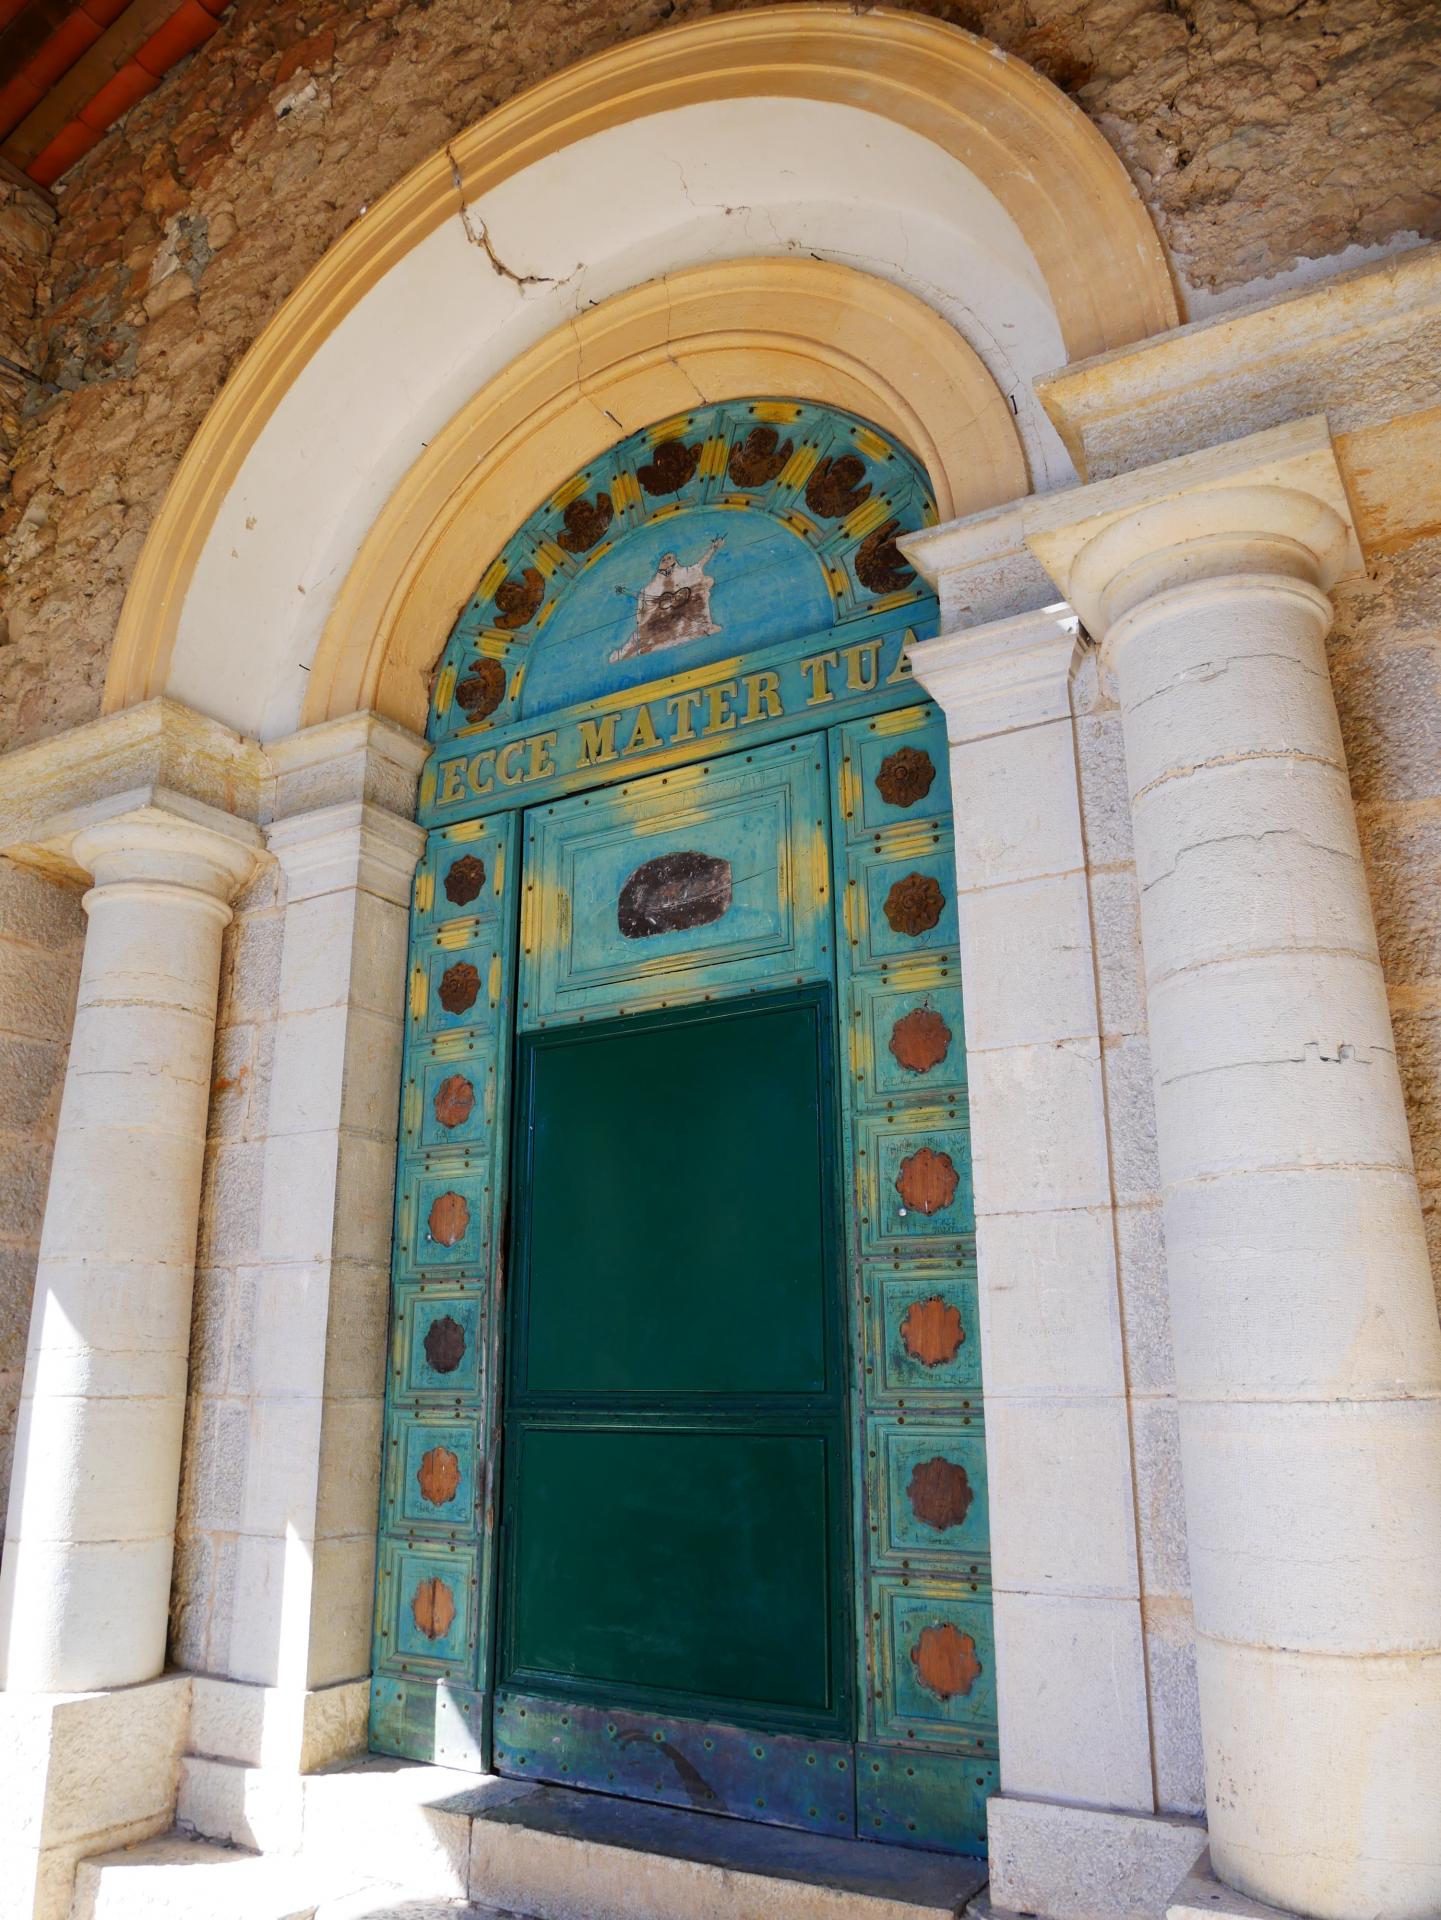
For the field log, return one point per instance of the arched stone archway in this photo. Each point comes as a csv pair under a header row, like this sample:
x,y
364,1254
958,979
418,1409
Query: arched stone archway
x,y
883,141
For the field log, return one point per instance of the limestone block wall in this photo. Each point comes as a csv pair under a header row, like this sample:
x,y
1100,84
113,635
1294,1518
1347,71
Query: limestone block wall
x,y
42,932
1385,651
218,1414
1140,1246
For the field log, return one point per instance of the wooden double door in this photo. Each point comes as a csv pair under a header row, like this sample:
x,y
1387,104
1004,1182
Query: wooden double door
x,y
718,1417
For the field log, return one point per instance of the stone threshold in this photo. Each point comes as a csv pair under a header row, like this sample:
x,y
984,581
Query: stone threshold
x,y
555,1853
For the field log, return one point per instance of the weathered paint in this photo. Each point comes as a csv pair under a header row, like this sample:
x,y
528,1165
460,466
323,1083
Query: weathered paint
x,y
922,1536
757,853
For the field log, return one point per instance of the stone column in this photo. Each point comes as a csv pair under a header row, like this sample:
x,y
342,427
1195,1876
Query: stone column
x,y
1308,1356
85,1589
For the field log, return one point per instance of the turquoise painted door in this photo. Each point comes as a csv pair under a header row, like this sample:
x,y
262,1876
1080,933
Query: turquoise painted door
x,y
685,1491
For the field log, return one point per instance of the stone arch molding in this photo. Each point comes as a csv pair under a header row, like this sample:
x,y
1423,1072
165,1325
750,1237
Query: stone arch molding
x,y
915,155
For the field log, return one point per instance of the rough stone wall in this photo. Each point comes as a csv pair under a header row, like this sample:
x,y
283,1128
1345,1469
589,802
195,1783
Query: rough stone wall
x,y
217,1425
1140,1246
27,227
42,931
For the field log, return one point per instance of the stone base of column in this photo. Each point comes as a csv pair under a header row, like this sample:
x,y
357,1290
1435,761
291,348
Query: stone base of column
x,y
1201,1896
81,1773
241,1779
1085,1863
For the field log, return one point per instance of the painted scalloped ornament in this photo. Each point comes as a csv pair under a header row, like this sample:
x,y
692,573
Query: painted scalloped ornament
x,y
724,530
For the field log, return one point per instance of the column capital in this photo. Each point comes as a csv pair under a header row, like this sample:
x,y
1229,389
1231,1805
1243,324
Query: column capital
x,y
1002,676
1271,504
980,566
161,753
163,841
351,844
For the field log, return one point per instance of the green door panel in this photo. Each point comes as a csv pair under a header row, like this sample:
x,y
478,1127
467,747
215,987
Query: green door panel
x,y
676,1473
675,1239
684,1567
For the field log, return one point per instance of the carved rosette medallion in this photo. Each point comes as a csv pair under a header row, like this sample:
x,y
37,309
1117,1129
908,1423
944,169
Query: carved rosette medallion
x,y
585,523
444,1344
920,1040
464,879
940,1493
432,1607
755,461
915,904
518,599
837,486
449,1218
454,1101
669,467
945,1661
932,1331
482,689
438,1476
459,987
880,564
905,776
927,1181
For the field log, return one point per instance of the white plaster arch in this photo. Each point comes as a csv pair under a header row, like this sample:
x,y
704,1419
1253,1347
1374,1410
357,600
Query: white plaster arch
x,y
676,189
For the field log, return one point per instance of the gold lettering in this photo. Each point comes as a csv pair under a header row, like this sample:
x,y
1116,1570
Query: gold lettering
x,y
597,740
817,667
541,763
763,690
643,736
506,772
863,666
452,783
685,706
477,786
903,666
719,718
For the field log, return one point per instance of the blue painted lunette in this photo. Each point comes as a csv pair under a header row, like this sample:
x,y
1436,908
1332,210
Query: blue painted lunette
x,y
760,601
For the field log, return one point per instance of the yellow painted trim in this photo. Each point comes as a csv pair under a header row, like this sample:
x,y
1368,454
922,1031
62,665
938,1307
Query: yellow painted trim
x,y
1048,166
804,327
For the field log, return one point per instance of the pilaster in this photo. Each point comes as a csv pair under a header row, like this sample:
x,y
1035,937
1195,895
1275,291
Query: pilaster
x,y
1073,1832
294,1661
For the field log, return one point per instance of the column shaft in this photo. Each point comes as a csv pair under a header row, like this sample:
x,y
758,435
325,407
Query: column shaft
x,y
84,1592
1308,1356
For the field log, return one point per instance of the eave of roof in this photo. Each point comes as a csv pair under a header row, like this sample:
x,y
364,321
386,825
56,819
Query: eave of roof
x,y
69,71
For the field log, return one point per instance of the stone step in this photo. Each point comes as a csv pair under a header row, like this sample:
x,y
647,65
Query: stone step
x,y
552,1853
253,1807
178,1877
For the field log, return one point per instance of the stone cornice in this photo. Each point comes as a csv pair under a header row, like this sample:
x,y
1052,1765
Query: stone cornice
x,y
980,567
1003,676
166,756
1362,348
